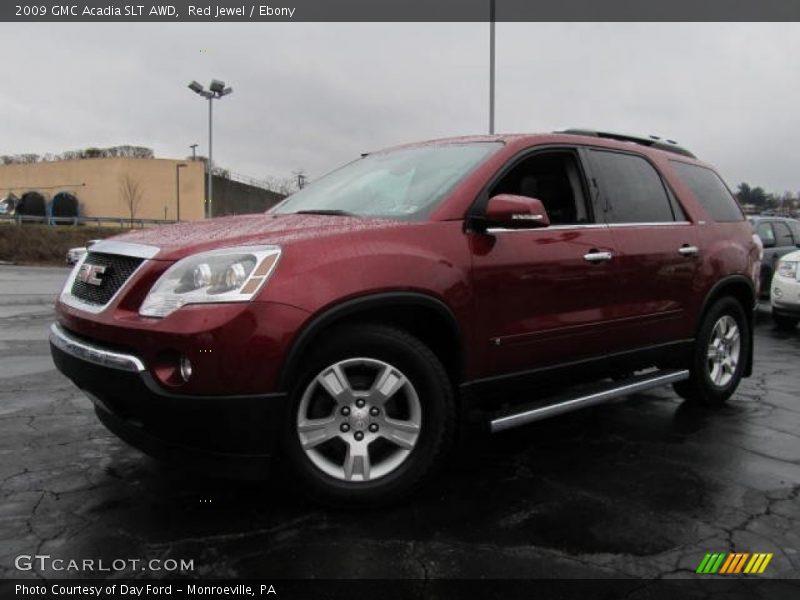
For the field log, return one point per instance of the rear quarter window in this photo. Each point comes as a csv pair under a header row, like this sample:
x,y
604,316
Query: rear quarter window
x,y
710,191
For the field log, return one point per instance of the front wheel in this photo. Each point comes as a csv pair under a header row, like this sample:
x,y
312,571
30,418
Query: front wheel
x,y
721,351
372,417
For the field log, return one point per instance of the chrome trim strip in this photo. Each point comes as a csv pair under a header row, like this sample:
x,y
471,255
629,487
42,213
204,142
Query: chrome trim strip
x,y
591,399
548,228
125,249
93,354
646,224
585,226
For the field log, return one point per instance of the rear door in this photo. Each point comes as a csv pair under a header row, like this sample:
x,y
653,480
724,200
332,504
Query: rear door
x,y
795,227
657,251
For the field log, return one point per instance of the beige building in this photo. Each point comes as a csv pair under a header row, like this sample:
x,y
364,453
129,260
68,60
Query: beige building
x,y
106,187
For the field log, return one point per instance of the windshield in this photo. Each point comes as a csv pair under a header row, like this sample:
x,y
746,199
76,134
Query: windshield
x,y
405,183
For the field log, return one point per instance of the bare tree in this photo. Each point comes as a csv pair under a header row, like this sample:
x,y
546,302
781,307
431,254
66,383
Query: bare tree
x,y
281,185
130,194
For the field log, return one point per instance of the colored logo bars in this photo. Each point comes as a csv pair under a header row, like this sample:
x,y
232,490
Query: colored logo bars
x,y
734,563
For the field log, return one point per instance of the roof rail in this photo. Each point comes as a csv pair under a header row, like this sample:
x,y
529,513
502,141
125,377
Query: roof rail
x,y
652,141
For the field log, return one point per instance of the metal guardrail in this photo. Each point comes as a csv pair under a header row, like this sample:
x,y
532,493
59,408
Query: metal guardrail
x,y
120,221
252,181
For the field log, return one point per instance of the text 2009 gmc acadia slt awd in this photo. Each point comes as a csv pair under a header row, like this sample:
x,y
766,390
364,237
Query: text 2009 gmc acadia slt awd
x,y
351,328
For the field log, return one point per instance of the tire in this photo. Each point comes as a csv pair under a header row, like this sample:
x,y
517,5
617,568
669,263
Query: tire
x,y
785,323
351,442
714,379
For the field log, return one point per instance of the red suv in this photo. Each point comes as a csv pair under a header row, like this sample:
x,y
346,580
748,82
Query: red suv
x,y
354,328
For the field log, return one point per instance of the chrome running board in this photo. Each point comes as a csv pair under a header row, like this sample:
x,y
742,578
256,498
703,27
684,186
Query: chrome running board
x,y
522,415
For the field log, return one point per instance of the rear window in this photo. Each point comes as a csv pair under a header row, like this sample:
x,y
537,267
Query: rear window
x,y
710,191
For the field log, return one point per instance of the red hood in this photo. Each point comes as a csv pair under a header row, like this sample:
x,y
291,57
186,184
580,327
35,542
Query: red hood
x,y
183,239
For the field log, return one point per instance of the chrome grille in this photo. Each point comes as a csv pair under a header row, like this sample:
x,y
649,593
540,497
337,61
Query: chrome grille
x,y
118,270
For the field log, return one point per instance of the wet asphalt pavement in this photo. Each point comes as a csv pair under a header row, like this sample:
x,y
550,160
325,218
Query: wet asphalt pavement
x,y
642,488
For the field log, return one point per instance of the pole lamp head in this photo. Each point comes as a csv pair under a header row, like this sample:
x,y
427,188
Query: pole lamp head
x,y
196,87
217,86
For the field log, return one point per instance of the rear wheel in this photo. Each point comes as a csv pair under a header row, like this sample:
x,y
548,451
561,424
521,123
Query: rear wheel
x,y
785,323
372,417
722,349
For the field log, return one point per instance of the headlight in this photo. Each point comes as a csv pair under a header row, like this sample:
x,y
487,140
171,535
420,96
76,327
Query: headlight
x,y
787,269
226,275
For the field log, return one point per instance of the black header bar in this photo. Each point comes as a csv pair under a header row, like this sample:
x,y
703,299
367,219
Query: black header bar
x,y
695,587
264,11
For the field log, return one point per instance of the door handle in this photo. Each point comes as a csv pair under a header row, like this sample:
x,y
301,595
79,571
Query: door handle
x,y
687,250
595,256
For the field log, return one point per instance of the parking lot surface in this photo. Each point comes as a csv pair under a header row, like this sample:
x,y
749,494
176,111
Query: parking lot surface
x,y
639,488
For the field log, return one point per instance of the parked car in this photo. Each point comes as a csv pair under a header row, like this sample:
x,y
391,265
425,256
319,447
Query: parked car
x,y
785,297
76,254
779,236
357,326
8,205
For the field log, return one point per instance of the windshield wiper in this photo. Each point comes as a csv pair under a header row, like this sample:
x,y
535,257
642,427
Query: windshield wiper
x,y
325,211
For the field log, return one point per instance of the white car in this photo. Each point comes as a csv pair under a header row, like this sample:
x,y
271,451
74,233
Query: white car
x,y
785,296
75,254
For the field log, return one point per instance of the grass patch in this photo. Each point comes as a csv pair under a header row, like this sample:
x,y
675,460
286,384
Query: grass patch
x,y
46,244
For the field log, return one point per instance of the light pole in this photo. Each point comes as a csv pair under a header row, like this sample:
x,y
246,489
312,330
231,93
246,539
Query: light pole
x,y
216,90
178,168
491,67
194,151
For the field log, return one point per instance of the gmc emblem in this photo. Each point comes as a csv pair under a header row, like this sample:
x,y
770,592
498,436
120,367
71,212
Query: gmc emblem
x,y
91,274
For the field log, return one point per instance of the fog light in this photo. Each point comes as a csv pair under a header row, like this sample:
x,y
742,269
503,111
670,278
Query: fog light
x,y
777,292
185,367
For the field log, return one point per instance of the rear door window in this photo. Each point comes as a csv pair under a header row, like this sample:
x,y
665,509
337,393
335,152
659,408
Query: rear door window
x,y
783,237
710,191
632,189
795,227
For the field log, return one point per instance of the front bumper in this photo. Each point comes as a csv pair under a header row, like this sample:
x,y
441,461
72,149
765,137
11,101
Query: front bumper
x,y
234,434
785,296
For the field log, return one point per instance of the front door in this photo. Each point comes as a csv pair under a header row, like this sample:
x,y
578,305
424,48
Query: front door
x,y
542,296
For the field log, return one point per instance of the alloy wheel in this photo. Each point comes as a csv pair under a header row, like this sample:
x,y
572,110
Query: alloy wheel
x,y
724,349
359,419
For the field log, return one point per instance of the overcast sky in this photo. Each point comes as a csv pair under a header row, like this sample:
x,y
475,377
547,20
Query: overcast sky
x,y
313,96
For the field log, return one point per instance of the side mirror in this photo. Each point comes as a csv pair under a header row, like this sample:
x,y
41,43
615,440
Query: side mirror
x,y
515,212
